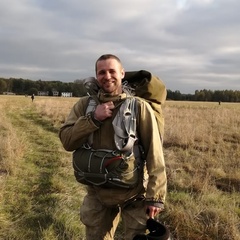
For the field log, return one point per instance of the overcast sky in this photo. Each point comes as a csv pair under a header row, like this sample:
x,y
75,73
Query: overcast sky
x,y
189,44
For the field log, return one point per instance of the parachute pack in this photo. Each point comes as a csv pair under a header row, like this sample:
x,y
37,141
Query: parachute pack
x,y
150,88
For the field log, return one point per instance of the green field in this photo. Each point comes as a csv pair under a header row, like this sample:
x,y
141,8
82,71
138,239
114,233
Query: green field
x,y
40,199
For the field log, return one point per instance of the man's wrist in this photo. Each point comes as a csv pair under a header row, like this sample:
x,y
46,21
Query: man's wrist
x,y
155,204
96,122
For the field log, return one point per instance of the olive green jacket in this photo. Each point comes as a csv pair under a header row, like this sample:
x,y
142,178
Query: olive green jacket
x,y
79,126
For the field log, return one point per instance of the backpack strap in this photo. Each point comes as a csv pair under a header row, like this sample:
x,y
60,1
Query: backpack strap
x,y
91,106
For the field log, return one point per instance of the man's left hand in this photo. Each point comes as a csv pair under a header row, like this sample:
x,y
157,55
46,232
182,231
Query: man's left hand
x,y
153,211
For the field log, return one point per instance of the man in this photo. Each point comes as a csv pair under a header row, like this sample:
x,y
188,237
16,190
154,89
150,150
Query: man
x,y
103,205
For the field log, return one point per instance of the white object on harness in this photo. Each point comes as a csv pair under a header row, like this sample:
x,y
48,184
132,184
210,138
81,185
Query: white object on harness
x,y
124,125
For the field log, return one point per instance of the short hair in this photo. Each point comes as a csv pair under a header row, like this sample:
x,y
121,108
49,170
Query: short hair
x,y
105,57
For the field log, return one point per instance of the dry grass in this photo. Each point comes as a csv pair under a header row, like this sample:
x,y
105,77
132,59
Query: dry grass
x,y
11,147
39,197
55,108
202,154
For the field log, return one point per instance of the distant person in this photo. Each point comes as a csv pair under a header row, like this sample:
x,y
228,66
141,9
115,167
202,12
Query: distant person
x,y
32,97
115,177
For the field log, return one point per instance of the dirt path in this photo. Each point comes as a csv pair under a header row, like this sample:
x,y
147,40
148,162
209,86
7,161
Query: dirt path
x,y
42,158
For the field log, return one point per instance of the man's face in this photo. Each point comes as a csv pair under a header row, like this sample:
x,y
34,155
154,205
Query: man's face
x,y
109,74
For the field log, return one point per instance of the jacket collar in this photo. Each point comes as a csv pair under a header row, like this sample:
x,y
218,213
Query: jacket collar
x,y
105,97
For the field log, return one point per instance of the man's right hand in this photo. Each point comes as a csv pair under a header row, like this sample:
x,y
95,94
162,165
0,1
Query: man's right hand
x,y
103,111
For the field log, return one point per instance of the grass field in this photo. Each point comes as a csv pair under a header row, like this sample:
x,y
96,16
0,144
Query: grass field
x,y
40,199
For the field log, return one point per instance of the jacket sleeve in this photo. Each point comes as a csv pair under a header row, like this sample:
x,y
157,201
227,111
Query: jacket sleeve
x,y
77,128
155,164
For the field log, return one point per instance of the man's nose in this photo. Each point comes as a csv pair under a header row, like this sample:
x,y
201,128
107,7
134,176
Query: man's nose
x,y
107,75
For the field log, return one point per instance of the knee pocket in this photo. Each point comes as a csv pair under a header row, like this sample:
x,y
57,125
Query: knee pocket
x,y
91,211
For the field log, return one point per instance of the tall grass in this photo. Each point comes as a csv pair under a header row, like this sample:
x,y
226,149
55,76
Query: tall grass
x,y
202,154
11,147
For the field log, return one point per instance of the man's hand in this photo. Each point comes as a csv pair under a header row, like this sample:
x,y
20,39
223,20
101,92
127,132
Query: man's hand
x,y
103,111
153,211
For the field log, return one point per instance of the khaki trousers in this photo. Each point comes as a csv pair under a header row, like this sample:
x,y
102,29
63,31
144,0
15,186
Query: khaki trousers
x,y
101,222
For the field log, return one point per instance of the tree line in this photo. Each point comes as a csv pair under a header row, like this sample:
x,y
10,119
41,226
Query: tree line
x,y
21,86
206,95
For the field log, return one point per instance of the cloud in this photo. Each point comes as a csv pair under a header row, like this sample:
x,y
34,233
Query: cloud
x,y
190,44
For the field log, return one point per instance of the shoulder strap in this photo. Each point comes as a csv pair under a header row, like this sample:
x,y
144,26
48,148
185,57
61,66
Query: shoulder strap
x,y
91,105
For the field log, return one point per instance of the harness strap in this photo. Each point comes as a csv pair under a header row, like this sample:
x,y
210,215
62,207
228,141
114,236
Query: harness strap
x,y
102,178
90,108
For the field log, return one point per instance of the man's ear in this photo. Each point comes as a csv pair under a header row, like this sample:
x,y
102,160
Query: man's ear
x,y
123,73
